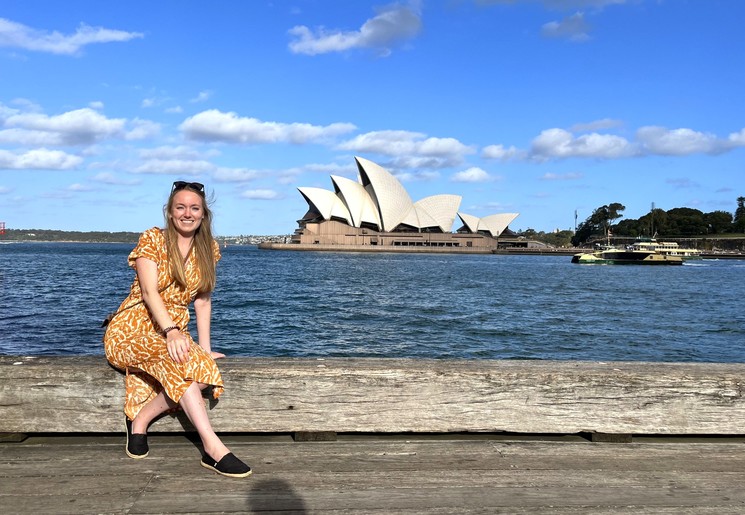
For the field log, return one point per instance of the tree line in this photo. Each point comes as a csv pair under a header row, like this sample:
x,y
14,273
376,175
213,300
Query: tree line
x,y
73,236
679,222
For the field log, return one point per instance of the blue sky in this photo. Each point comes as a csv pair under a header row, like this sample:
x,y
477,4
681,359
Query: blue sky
x,y
541,107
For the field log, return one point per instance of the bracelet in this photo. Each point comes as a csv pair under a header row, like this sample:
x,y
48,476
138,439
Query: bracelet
x,y
170,328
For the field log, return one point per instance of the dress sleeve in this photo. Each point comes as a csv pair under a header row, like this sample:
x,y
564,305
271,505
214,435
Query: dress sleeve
x,y
149,246
216,251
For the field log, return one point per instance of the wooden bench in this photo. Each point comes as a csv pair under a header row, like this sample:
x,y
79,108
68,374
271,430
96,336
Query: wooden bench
x,y
327,396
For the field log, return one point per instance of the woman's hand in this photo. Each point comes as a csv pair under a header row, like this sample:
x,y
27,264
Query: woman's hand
x,y
216,355
178,346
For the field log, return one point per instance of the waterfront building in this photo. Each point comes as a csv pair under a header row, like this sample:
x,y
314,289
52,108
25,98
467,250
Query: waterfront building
x,y
377,211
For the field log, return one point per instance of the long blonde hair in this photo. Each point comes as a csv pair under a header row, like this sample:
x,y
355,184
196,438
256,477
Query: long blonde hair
x,y
202,246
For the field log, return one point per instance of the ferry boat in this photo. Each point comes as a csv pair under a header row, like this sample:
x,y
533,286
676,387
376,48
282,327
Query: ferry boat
x,y
667,248
627,256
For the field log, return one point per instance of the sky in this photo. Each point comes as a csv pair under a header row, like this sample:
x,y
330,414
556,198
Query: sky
x,y
546,108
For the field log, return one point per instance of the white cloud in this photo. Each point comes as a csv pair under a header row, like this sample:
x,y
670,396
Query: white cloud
x,y
573,27
17,35
175,110
500,152
473,174
203,96
651,140
394,23
142,129
38,159
287,177
261,195
737,139
78,127
6,111
559,4
167,152
560,143
329,169
432,162
417,176
571,176
79,187
4,190
175,166
235,175
110,178
96,104
678,142
214,125
27,105
410,148
556,143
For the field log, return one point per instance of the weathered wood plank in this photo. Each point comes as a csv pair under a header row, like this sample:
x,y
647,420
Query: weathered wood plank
x,y
71,394
390,457
92,475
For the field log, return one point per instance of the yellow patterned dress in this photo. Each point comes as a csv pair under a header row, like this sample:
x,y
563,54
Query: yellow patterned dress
x,y
134,344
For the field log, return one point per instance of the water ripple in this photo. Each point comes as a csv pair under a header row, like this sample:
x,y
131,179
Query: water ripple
x,y
308,304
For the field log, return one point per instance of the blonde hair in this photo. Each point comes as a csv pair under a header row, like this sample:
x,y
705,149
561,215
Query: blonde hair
x,y
202,246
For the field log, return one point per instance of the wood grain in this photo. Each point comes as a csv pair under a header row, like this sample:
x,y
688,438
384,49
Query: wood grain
x,y
276,395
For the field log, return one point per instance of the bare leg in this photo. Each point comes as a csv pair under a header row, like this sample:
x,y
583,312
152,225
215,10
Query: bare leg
x,y
153,409
194,408
160,404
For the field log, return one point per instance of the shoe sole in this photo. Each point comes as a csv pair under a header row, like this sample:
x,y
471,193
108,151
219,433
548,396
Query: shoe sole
x,y
244,474
136,456
126,447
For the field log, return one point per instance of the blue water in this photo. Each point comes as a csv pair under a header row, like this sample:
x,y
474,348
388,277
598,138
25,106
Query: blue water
x,y
314,304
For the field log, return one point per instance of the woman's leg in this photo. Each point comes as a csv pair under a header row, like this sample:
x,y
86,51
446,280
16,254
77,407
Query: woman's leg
x,y
194,408
159,405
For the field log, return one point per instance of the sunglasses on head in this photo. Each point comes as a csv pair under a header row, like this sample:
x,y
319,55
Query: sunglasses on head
x,y
180,185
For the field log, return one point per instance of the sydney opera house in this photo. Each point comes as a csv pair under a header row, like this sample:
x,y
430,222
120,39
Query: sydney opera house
x,y
377,213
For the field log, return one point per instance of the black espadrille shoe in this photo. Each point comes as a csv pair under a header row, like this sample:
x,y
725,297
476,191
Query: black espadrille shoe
x,y
136,443
229,465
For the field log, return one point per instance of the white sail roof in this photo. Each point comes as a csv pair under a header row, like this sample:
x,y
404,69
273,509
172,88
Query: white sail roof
x,y
388,194
471,222
326,202
442,208
419,218
359,204
496,224
379,200
492,224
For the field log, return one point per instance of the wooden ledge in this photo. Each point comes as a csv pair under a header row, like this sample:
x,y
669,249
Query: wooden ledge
x,y
317,396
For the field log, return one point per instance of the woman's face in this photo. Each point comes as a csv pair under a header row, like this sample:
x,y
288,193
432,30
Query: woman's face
x,y
187,212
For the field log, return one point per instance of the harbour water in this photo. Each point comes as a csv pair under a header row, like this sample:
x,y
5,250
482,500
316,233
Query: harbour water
x,y
53,297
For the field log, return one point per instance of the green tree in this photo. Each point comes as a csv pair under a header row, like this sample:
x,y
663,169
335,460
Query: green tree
x,y
654,222
629,227
685,221
558,239
529,233
739,221
598,223
718,222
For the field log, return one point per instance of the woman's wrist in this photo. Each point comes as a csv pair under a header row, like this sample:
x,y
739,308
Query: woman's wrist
x,y
170,328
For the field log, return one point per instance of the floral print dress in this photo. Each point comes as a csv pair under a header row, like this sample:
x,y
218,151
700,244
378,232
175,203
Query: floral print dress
x,y
133,341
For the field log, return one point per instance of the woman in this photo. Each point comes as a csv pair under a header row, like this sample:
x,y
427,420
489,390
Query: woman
x,y
148,337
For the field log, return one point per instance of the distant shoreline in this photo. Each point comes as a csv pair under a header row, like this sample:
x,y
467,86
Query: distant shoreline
x,y
55,236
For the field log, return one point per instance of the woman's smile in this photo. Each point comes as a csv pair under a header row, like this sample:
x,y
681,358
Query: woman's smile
x,y
187,212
